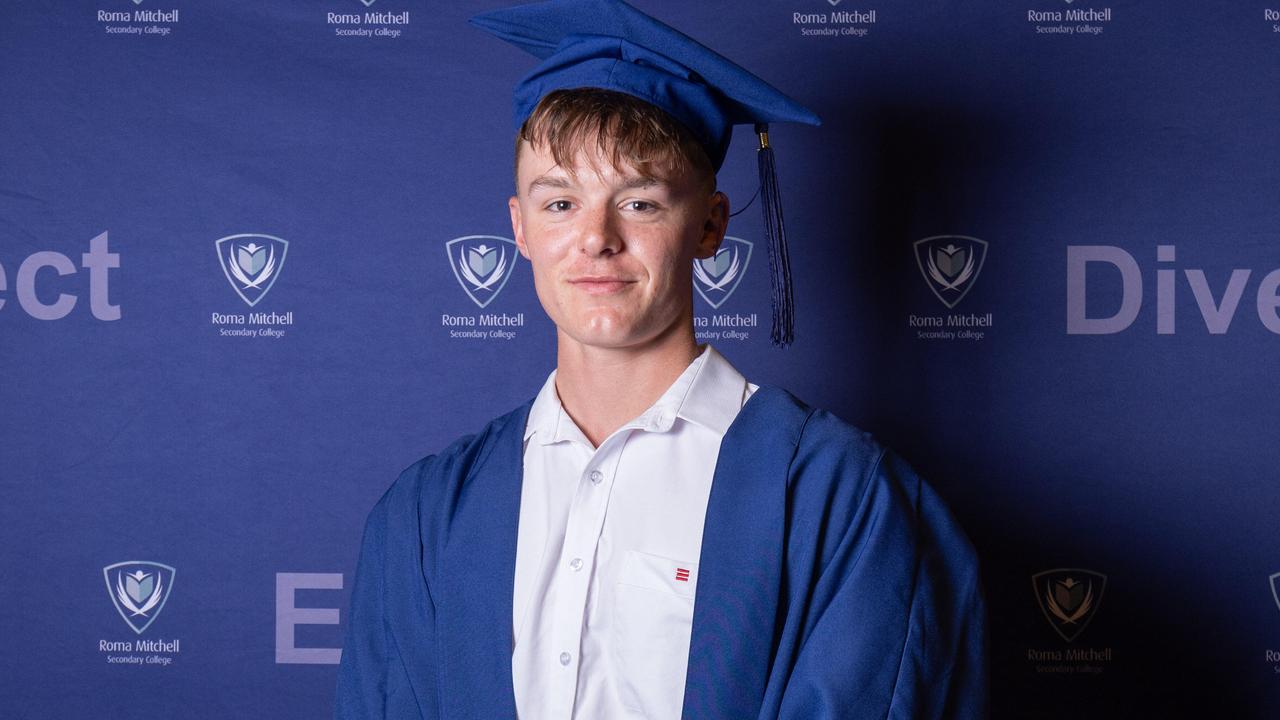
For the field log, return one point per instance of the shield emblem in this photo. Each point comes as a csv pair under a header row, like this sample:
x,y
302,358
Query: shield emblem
x,y
950,265
139,590
715,278
482,264
1275,589
251,262
1069,598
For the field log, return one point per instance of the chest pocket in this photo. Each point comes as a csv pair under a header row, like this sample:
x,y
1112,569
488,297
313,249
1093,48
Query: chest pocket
x,y
653,618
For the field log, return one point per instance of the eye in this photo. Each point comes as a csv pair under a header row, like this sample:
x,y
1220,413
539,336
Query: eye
x,y
559,206
642,206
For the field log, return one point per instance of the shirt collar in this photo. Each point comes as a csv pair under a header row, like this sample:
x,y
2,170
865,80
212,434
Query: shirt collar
x,y
716,394
709,392
548,420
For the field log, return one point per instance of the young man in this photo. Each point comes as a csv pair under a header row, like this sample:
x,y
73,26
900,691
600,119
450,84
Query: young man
x,y
652,536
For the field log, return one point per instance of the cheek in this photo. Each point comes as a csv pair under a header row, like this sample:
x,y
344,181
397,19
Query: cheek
x,y
557,238
547,256
544,246
669,277
675,259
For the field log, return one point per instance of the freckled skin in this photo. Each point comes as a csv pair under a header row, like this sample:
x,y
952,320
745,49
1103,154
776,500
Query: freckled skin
x,y
612,251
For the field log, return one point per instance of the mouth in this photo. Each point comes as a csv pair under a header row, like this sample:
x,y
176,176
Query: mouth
x,y
601,284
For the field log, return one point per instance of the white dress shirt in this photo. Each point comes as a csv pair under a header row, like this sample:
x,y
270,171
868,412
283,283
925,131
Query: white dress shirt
x,y
608,547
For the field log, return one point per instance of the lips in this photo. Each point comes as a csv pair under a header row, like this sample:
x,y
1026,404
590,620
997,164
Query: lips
x,y
600,284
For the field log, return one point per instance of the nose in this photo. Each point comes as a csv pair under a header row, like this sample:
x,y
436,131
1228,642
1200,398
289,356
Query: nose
x,y
599,232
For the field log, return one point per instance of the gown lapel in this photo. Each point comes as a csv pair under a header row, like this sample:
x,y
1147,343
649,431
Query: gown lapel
x,y
740,569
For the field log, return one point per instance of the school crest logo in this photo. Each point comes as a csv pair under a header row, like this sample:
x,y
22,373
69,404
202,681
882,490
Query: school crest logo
x,y
950,265
252,263
139,590
715,278
482,264
1069,598
1275,589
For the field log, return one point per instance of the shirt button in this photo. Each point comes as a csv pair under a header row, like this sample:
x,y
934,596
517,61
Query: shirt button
x,y
576,563
596,476
564,658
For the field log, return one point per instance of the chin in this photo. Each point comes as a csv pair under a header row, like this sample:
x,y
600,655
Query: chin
x,y
611,338
606,332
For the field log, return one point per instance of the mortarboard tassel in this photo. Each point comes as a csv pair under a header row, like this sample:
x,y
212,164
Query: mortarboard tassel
x,y
783,332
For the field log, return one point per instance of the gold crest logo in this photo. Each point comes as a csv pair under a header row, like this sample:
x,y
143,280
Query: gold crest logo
x,y
1069,598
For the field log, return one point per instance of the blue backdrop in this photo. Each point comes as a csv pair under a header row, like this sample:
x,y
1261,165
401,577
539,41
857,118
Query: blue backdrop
x,y
1033,245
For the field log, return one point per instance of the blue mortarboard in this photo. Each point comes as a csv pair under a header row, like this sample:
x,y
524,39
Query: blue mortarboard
x,y
609,44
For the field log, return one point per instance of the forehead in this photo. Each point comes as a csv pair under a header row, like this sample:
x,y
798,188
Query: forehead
x,y
591,163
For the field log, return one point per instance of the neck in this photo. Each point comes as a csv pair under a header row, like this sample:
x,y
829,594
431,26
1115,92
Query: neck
x,y
604,388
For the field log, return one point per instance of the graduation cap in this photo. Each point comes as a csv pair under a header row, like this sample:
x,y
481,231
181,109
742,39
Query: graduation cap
x,y
609,44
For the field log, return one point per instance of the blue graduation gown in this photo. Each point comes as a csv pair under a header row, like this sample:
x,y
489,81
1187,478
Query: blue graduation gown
x,y
833,583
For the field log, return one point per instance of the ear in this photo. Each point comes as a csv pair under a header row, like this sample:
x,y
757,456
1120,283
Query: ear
x,y
716,225
517,225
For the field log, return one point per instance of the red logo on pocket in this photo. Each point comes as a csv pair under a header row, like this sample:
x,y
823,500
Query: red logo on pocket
x,y
682,574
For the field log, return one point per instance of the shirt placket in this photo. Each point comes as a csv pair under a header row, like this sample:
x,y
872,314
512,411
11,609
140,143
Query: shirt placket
x,y
577,565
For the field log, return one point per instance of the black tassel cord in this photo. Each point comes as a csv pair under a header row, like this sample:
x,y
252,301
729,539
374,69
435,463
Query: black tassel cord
x,y
783,331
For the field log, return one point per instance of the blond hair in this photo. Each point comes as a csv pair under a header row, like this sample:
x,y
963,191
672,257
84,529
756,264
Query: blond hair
x,y
622,128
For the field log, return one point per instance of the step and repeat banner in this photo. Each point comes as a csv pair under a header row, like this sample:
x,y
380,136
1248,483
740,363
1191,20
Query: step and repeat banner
x,y
255,258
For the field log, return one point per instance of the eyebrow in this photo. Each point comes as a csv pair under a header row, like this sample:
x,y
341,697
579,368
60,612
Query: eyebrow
x,y
635,182
544,182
